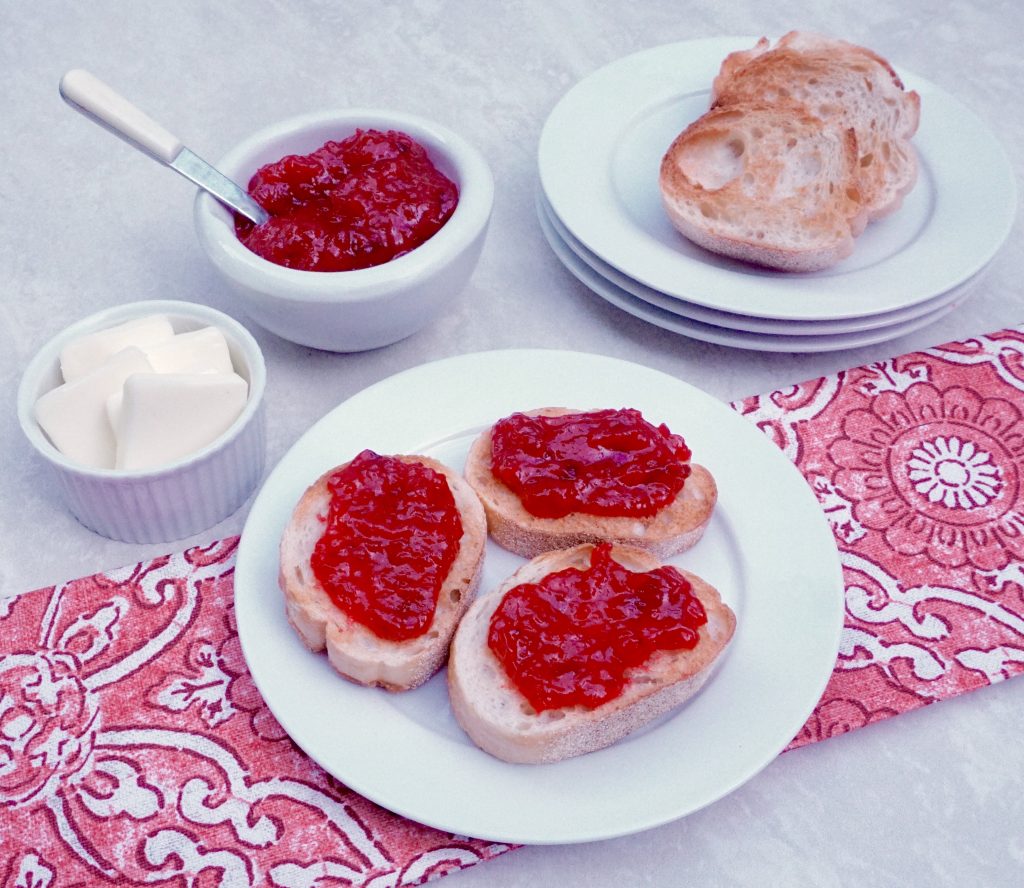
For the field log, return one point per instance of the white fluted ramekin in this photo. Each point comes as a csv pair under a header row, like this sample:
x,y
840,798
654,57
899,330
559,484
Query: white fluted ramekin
x,y
184,497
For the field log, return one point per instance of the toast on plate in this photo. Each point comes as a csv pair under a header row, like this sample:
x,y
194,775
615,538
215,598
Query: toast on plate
x,y
672,529
804,144
354,650
766,185
843,85
499,718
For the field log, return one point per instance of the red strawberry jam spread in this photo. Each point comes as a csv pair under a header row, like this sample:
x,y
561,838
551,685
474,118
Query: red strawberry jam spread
x,y
391,535
608,462
570,639
350,204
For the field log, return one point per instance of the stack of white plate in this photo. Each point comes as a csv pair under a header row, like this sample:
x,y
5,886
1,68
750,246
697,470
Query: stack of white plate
x,y
600,209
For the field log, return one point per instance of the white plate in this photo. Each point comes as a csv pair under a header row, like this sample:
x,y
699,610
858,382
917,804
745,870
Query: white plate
x,y
678,323
601,148
405,751
773,326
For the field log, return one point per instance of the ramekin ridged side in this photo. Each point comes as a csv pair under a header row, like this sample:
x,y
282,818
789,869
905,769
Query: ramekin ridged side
x,y
185,497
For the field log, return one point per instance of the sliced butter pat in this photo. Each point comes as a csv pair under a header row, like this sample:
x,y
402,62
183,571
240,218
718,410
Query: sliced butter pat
x,y
201,351
114,405
168,416
74,415
87,353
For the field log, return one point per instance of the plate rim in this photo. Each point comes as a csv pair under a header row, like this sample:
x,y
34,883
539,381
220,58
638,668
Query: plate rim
x,y
726,290
762,326
728,337
266,519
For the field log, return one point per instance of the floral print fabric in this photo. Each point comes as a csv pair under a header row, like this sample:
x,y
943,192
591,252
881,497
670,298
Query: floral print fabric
x,y
134,746
918,463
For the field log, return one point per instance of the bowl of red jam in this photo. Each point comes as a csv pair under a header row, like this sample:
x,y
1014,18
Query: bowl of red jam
x,y
377,220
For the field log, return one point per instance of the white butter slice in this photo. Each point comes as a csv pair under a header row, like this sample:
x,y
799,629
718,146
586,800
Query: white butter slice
x,y
201,351
114,404
74,415
87,353
168,416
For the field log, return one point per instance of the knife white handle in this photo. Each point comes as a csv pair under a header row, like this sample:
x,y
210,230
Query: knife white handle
x,y
95,99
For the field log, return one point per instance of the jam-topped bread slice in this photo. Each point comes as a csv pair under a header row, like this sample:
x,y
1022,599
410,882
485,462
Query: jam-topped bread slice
x,y
579,648
379,562
556,477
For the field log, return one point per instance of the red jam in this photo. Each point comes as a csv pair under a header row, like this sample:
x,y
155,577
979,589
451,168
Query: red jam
x,y
392,533
350,204
570,639
609,462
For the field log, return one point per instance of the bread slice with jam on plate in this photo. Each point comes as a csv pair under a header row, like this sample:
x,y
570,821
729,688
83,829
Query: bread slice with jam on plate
x,y
650,495
580,647
369,572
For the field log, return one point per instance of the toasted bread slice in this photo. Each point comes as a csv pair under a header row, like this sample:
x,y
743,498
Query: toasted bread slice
x,y
498,718
354,650
768,185
843,85
674,529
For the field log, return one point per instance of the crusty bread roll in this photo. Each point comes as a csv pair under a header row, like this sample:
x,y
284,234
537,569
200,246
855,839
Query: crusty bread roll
x,y
498,718
804,144
675,528
354,650
843,85
765,185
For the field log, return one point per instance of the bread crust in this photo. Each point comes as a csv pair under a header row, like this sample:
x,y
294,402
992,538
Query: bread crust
x,y
674,529
498,718
355,651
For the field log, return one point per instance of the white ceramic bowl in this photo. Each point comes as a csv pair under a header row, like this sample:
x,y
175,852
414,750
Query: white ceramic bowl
x,y
178,500
366,308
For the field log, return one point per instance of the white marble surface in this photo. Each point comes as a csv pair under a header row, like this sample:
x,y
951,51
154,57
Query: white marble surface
x,y
929,798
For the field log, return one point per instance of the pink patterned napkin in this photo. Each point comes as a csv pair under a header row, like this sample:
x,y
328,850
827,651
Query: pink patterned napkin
x,y
918,463
134,746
